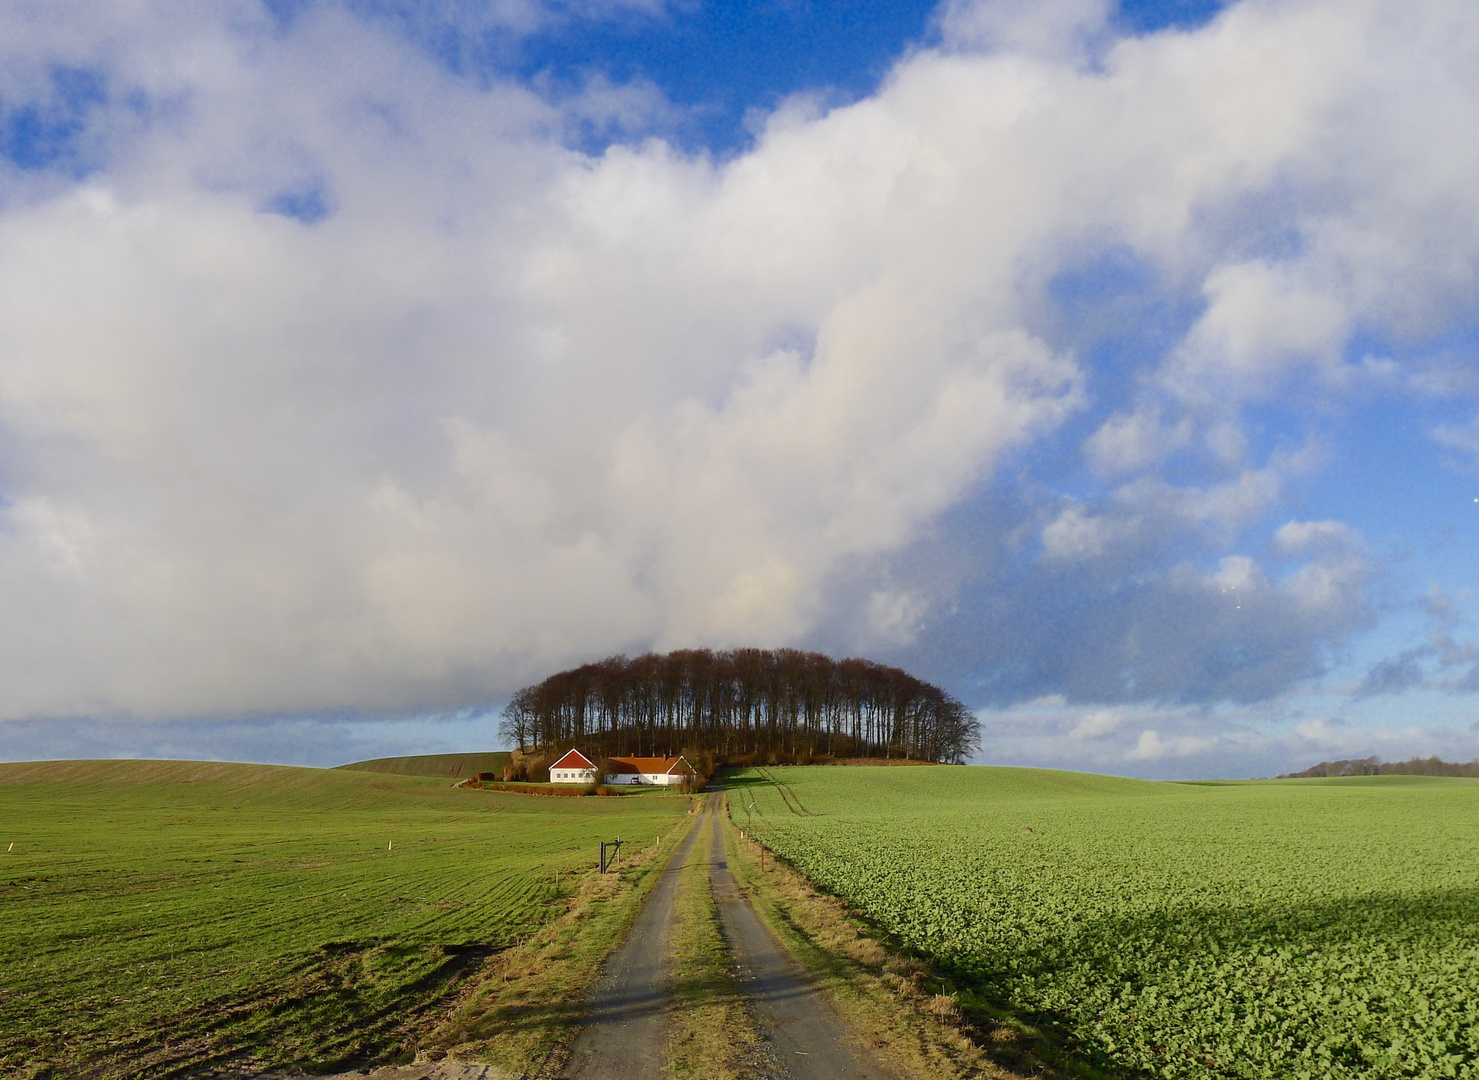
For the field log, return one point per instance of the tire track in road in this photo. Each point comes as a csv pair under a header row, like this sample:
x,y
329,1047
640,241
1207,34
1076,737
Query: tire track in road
x,y
624,1032
806,1038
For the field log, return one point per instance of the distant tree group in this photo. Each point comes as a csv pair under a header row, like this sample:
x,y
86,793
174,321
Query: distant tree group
x,y
780,704
1373,766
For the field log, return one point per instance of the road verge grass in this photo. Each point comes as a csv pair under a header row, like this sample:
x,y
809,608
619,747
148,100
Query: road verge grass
x,y
896,1004
525,1008
712,1034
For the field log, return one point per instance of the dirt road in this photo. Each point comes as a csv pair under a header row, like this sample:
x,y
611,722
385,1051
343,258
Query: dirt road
x,y
806,1037
623,1039
623,1034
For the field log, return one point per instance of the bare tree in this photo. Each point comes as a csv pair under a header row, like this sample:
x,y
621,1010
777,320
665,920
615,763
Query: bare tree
x,y
782,704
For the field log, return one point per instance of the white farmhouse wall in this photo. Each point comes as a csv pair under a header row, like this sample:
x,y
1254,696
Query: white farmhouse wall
x,y
659,779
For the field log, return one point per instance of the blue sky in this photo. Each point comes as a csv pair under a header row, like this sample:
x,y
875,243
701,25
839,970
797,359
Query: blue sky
x,y
1112,365
722,65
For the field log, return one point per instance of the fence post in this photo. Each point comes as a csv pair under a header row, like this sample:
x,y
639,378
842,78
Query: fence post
x,y
614,847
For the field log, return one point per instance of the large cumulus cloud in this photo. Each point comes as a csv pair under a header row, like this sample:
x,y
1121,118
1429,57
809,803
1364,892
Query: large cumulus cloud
x,y
331,378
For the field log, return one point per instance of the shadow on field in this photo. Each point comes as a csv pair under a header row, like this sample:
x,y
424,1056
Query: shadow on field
x,y
349,1004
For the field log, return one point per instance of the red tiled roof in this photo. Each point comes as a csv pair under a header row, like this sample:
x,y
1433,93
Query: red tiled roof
x,y
648,765
580,761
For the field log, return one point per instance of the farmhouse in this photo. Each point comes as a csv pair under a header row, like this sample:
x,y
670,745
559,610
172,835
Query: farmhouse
x,y
576,768
573,768
662,771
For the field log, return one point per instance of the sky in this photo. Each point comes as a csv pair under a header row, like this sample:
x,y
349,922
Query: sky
x,y
1111,365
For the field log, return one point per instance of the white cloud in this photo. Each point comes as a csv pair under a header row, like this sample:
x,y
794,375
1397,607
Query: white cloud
x,y
1152,747
504,408
1149,508
894,616
1461,437
1075,535
1228,505
1294,537
1168,742
508,405
1097,725
1259,322
1129,442
1053,29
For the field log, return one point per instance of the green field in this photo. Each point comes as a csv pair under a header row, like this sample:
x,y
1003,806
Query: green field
x,y
452,766
163,916
1276,929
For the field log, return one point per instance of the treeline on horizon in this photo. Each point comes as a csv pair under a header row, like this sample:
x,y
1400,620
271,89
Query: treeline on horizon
x,y
1374,766
766,704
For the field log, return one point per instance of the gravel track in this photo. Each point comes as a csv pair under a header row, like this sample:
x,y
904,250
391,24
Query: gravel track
x,y
623,1038
624,1032
805,1036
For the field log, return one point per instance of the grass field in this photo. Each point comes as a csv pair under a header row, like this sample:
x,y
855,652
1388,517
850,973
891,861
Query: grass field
x,y
452,766
1280,929
163,916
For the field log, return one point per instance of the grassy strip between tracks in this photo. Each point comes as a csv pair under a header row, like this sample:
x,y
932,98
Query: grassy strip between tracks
x,y
895,1004
712,1033
159,919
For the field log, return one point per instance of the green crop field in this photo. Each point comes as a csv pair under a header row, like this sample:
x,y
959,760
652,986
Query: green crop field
x,y
453,766
163,916
1273,929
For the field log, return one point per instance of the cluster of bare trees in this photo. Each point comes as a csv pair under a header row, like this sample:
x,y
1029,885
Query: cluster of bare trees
x,y
780,704
1375,766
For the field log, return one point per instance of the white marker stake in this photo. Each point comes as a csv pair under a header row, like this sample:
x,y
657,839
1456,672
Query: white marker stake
x,y
11,847
390,845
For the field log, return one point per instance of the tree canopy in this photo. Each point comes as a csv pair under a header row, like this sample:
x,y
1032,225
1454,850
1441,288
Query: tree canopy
x,y
777,703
